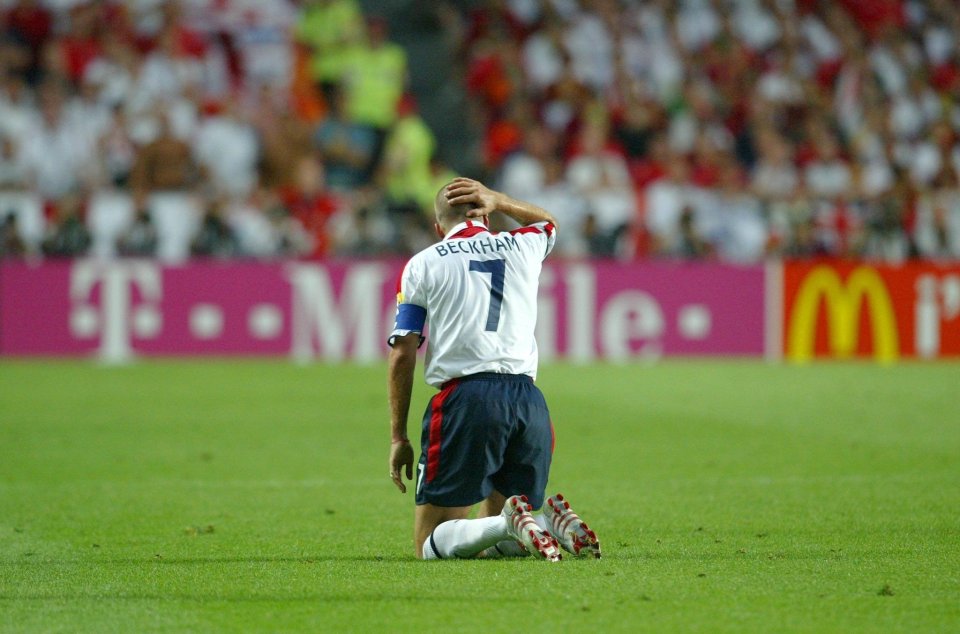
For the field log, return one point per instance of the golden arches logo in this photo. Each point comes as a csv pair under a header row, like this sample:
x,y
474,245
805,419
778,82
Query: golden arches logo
x,y
843,302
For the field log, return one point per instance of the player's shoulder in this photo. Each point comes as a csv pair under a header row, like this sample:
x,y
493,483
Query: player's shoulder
x,y
533,237
421,260
425,255
543,228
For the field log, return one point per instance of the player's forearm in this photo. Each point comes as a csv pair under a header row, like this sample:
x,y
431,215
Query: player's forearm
x,y
400,386
523,212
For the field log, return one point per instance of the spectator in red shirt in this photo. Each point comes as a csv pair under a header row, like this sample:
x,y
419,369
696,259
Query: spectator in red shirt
x,y
81,44
309,201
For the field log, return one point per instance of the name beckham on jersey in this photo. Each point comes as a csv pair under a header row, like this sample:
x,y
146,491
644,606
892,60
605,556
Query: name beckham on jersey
x,y
493,244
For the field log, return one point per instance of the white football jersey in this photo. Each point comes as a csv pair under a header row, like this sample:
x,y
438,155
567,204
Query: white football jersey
x,y
478,292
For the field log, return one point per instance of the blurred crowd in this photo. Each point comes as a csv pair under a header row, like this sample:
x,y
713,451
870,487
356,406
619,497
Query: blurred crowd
x,y
735,130
192,128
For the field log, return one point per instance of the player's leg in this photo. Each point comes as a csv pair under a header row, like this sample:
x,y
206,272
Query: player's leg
x,y
461,538
529,451
427,519
464,443
492,505
526,465
453,476
508,547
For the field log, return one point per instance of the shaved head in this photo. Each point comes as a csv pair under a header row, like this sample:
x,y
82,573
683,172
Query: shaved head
x,y
449,215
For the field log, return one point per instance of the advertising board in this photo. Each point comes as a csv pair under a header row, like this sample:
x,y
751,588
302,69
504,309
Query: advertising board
x,y
119,309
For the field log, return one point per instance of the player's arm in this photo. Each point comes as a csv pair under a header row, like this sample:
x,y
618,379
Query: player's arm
x,y
402,362
486,201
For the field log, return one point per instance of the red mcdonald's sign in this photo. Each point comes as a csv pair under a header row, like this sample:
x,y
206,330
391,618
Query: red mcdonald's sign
x,y
842,310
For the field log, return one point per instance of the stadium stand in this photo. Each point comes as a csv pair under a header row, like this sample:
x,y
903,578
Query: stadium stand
x,y
735,130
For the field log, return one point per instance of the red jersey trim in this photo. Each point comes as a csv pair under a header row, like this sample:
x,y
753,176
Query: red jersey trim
x,y
548,229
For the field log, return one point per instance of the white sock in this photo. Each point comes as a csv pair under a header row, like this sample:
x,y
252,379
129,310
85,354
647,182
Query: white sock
x,y
464,538
506,548
511,547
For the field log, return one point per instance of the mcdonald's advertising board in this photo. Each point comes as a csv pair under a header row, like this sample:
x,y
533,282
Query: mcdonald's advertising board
x,y
856,309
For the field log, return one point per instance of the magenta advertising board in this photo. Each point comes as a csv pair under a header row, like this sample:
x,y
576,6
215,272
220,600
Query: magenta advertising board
x,y
119,309
621,311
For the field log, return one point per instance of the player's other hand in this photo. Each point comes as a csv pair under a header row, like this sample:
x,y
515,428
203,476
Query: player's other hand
x,y
468,191
401,458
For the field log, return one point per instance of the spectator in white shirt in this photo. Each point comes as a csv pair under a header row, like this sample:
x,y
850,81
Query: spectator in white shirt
x,y
167,71
259,30
523,173
542,56
697,24
937,233
17,109
775,176
739,232
226,146
113,70
666,200
755,25
567,205
828,175
590,44
601,176
54,152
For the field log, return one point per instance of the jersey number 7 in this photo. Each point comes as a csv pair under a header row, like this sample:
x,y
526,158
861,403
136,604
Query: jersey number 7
x,y
496,269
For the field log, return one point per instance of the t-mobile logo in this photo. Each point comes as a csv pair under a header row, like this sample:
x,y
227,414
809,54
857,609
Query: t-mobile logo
x,y
126,306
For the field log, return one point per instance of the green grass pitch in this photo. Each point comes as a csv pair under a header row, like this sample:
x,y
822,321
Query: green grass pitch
x,y
729,496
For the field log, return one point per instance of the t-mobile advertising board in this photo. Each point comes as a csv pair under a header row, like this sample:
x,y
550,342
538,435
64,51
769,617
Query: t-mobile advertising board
x,y
120,309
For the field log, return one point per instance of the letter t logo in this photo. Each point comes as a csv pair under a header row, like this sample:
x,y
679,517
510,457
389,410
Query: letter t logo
x,y
116,318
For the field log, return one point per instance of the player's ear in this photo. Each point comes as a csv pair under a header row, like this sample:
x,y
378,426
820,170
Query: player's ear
x,y
439,230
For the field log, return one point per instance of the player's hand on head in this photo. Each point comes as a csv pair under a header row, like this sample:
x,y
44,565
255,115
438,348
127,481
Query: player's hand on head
x,y
401,459
470,192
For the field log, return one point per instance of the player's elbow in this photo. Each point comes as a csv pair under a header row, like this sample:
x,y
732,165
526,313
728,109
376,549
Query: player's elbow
x,y
404,351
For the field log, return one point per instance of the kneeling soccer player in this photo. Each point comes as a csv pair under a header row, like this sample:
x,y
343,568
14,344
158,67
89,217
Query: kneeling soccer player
x,y
486,436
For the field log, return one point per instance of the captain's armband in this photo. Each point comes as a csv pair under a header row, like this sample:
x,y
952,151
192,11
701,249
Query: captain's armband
x,y
410,318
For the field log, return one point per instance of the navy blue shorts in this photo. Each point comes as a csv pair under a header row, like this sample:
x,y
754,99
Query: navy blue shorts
x,y
481,433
